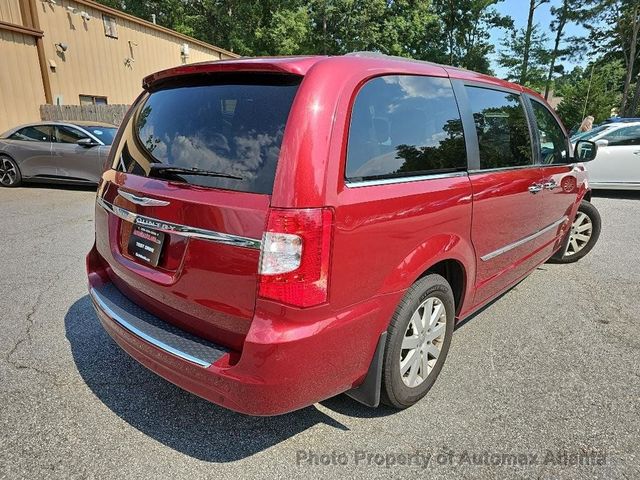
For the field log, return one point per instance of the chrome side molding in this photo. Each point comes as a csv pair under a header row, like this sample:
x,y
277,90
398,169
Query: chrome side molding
x,y
179,229
522,241
390,181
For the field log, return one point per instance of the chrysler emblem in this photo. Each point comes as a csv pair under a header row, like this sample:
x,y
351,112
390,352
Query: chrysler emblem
x,y
145,201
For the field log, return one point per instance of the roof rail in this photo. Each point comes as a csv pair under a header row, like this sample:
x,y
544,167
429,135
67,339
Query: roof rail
x,y
393,57
364,53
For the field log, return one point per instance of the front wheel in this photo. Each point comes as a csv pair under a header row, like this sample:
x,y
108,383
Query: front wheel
x,y
583,235
418,341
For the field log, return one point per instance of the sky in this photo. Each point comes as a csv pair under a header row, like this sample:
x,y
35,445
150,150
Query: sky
x,y
519,11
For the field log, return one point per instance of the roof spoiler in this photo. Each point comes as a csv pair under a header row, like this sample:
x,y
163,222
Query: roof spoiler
x,y
286,65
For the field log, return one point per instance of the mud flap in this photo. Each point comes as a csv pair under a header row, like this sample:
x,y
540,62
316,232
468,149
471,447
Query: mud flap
x,y
368,393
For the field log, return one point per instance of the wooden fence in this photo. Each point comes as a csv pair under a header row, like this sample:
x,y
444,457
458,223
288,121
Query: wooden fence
x,y
99,113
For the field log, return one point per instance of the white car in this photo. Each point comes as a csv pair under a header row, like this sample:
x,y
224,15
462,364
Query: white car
x,y
617,164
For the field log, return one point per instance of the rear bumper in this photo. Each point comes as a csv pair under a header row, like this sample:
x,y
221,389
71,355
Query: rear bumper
x,y
282,366
110,303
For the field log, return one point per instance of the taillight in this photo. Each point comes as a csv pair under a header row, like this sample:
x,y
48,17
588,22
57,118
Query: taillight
x,y
294,260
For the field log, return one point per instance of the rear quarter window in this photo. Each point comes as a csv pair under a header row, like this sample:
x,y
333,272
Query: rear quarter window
x,y
403,126
232,126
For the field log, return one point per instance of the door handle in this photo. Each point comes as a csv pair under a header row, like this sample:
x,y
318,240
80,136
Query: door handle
x,y
535,188
550,185
636,152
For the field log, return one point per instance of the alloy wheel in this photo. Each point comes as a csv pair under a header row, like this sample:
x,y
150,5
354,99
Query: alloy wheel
x,y
8,172
422,342
580,234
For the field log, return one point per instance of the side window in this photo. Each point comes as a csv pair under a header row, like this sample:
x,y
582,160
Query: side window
x,y
404,125
552,142
69,134
502,127
624,136
36,133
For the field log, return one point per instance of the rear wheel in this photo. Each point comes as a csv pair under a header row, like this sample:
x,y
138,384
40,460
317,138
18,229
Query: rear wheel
x,y
9,172
583,235
418,341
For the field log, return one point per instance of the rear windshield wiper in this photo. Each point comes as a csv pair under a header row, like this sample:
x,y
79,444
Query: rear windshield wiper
x,y
170,170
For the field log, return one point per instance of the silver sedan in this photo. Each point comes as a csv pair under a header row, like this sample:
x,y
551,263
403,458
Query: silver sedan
x,y
58,152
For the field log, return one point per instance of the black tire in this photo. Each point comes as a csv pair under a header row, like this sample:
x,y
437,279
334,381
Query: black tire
x,y
395,392
564,255
7,178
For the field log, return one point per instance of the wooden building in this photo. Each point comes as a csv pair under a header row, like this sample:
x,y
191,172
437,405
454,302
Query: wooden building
x,y
72,52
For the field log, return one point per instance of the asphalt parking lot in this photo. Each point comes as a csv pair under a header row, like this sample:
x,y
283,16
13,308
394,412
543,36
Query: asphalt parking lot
x,y
543,384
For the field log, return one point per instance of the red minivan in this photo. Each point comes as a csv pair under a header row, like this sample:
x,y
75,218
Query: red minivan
x,y
272,232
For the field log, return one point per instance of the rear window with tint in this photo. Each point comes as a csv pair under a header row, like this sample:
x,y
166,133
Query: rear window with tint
x,y
232,126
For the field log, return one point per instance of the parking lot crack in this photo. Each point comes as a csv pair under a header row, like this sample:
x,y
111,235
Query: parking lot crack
x,y
26,337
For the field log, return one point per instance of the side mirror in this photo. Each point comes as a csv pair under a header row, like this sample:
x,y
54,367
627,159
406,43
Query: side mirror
x,y
585,151
602,142
87,142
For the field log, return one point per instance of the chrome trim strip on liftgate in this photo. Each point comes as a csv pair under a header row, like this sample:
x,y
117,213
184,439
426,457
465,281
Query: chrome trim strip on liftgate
x,y
178,229
522,241
136,331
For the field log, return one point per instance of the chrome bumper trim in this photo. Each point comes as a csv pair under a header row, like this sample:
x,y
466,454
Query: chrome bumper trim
x,y
184,230
111,313
522,241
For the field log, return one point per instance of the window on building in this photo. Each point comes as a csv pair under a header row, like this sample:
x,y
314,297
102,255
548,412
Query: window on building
x,y
66,134
402,126
92,100
35,133
503,131
110,26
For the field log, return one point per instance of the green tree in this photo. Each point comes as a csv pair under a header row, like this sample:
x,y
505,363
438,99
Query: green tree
x,y
592,91
569,11
614,33
399,27
466,26
269,27
530,66
528,39
169,13
412,29
286,32
448,31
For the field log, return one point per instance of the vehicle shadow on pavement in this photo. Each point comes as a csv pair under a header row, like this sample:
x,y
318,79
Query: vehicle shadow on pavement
x,y
174,417
619,194
58,186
